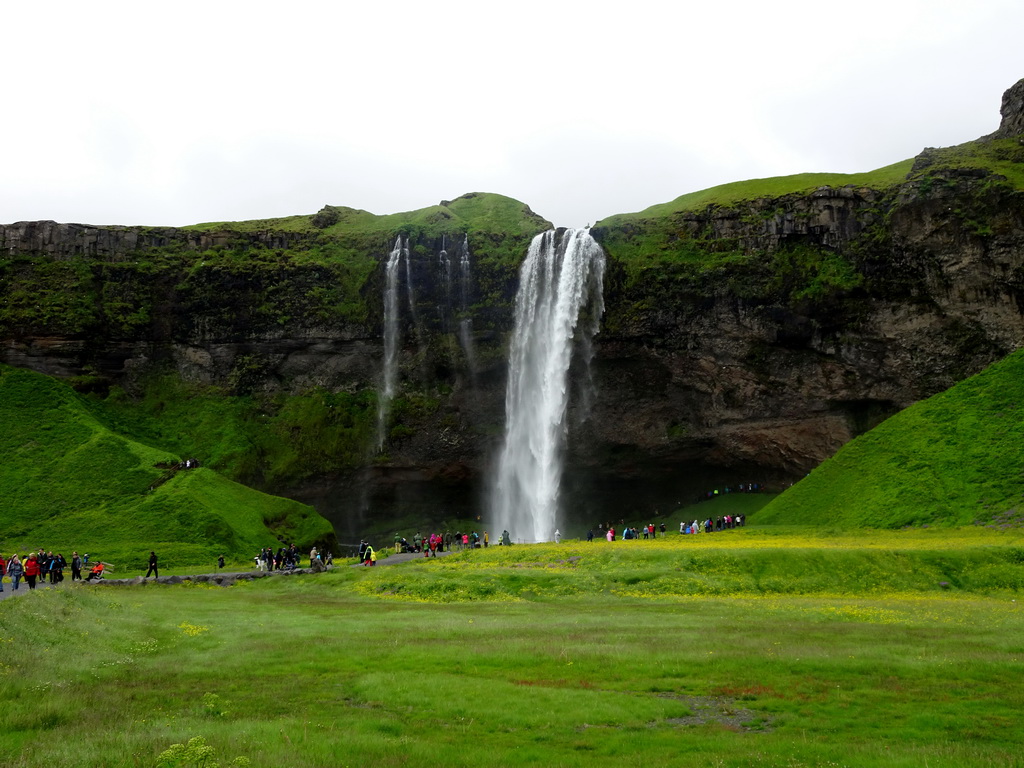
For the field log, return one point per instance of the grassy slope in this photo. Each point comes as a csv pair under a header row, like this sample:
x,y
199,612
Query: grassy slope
x,y
68,482
472,213
754,189
267,439
954,459
1004,157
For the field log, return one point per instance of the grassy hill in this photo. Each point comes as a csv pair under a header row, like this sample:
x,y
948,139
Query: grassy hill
x,y
756,189
1004,157
472,212
954,459
69,482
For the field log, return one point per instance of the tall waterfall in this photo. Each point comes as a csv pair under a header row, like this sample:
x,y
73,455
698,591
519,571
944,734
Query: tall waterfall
x,y
560,277
390,377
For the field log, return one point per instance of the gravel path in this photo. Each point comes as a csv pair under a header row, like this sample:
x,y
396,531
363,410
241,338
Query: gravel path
x,y
22,589
221,578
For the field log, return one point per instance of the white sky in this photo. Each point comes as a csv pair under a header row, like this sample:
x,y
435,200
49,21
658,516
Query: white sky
x,y
178,113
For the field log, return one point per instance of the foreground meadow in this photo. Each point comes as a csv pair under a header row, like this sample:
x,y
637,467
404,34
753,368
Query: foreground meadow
x,y
409,665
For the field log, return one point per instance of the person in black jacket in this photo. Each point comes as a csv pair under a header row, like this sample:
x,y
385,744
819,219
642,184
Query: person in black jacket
x,y
152,566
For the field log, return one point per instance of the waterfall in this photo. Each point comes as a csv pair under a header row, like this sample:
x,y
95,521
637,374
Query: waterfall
x,y
559,278
408,284
444,309
390,376
466,323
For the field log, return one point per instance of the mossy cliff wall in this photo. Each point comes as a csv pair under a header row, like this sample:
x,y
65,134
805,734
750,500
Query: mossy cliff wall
x,y
744,339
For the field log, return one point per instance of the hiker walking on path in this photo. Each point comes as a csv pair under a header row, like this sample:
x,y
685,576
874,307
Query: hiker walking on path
x,y
152,566
32,570
15,570
3,572
76,567
57,564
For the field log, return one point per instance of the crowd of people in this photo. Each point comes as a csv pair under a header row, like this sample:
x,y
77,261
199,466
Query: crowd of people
x,y
626,533
650,531
285,558
723,523
44,567
441,542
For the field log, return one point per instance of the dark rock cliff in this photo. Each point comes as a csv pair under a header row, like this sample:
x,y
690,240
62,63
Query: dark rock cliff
x,y
742,342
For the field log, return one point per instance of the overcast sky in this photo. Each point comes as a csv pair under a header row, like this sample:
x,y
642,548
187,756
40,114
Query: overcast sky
x,y
184,112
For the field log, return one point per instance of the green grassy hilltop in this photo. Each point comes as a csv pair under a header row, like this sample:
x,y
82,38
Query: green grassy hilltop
x,y
68,481
954,459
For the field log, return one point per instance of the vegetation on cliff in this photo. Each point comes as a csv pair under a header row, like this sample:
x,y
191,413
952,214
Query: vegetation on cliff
x,y
954,459
69,481
238,278
266,439
809,241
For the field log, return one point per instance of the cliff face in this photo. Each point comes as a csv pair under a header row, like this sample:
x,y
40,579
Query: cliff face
x,y
742,341
738,367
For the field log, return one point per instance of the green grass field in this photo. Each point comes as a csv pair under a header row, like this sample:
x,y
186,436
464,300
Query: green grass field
x,y
799,640
488,659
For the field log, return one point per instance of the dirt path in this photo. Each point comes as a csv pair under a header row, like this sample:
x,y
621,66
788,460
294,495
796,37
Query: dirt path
x,y
221,578
22,589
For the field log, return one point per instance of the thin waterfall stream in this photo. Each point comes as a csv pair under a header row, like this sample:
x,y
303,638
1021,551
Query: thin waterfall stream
x,y
390,375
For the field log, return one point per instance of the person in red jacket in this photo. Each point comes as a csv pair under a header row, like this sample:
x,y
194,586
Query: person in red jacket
x,y
32,570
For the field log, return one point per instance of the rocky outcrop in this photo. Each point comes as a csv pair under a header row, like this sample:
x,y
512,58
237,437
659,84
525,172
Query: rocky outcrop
x,y
1012,111
68,241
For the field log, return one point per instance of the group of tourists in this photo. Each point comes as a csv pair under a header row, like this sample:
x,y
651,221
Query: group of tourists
x,y
285,559
438,542
649,531
723,523
367,554
44,567
609,533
